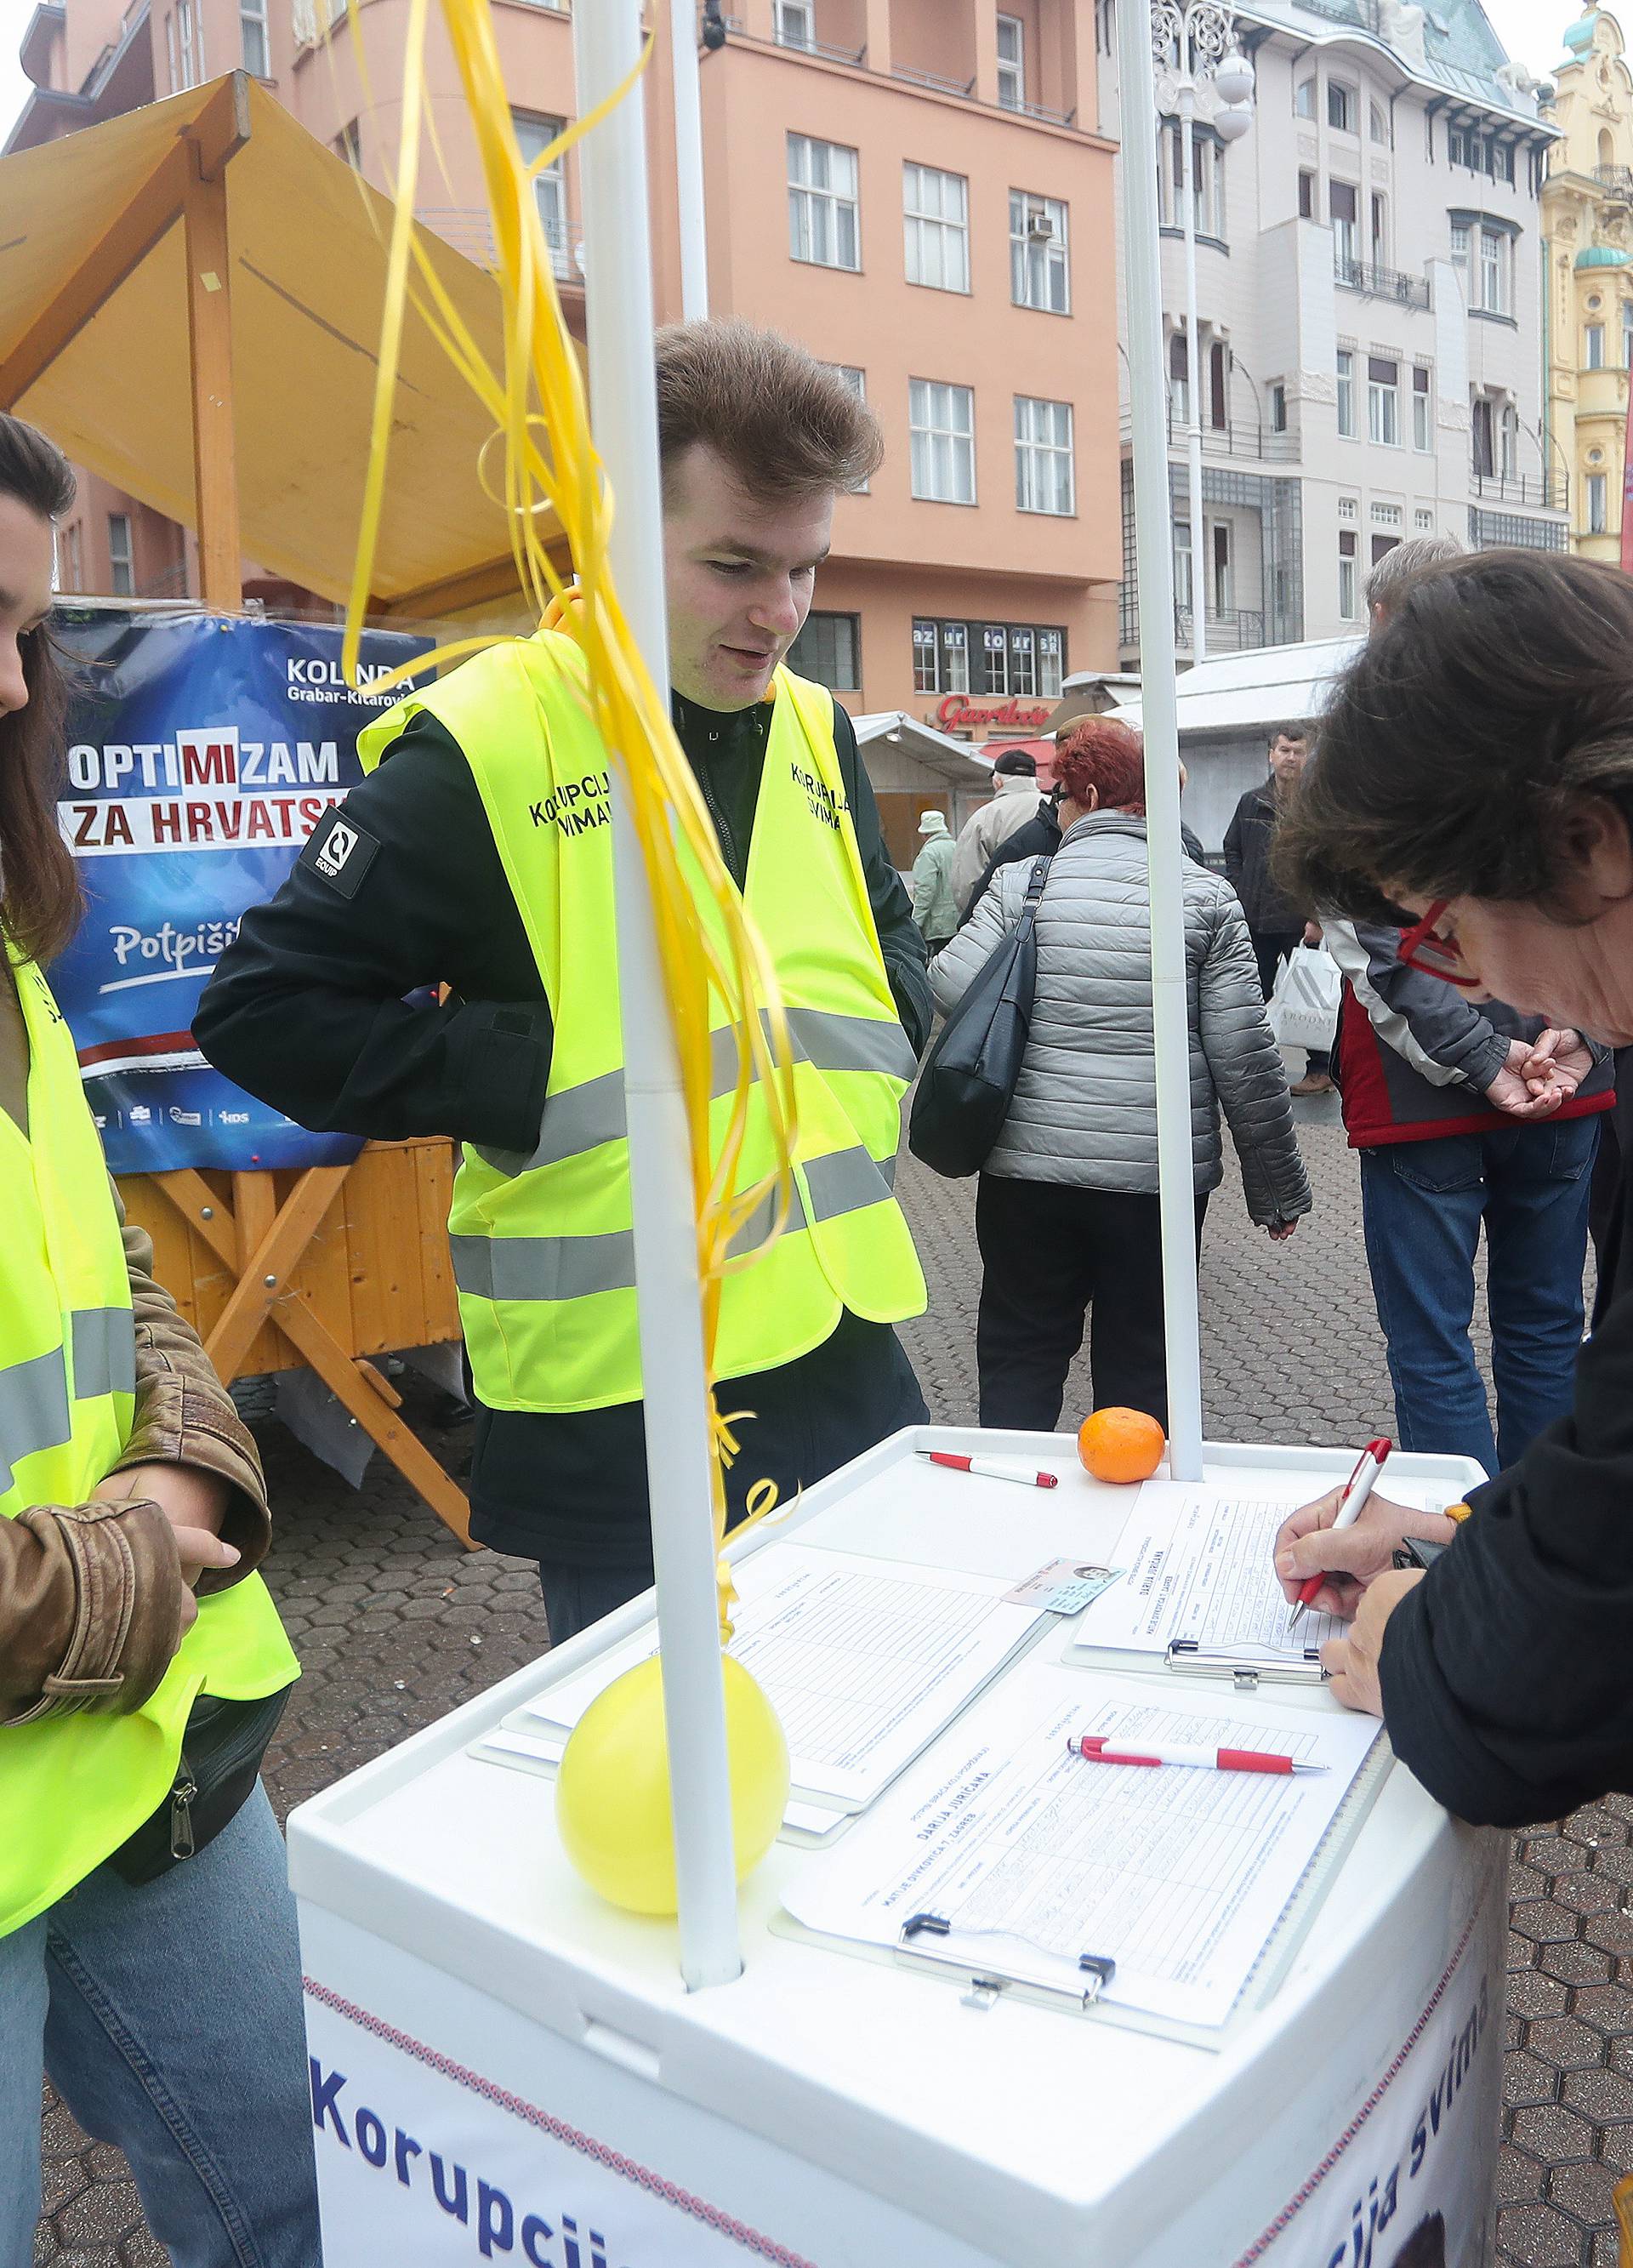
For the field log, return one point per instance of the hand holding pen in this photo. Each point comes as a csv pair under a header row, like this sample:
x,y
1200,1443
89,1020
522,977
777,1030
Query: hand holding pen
x,y
1342,1561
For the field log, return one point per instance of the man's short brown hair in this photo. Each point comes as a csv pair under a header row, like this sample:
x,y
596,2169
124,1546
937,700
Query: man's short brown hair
x,y
787,425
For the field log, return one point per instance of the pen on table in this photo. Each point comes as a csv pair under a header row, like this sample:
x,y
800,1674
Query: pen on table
x,y
990,1469
1362,1481
1101,1749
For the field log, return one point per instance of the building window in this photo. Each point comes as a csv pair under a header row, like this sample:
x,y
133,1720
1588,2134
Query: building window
x,y
1306,196
1207,181
1219,566
533,136
1278,405
942,422
1051,663
1011,63
1482,436
1038,253
828,650
1025,658
856,380
1461,261
936,217
122,578
1179,379
1596,523
1423,520
1346,393
1380,231
1594,346
1382,546
1349,508
184,46
1388,515
348,146
1304,98
793,23
1341,105
253,29
1627,334
1218,386
1349,575
1383,400
1184,588
72,559
822,223
1480,153
1509,435
941,657
1423,421
1496,261
1342,208
1044,470
1379,124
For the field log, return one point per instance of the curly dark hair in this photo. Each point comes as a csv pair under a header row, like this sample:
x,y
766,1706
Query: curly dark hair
x,y
1497,694
39,897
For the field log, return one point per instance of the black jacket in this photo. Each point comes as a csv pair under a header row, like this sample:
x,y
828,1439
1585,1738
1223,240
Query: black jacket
x,y
1039,838
307,1010
1507,1672
1248,841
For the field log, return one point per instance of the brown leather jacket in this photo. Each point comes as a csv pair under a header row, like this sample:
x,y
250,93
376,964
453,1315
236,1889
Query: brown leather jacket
x,y
90,1595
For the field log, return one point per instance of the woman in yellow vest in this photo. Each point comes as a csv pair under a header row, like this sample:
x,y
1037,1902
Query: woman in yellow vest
x,y
148,1958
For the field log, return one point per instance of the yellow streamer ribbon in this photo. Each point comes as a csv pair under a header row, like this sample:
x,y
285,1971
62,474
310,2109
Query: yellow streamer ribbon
x,y
541,415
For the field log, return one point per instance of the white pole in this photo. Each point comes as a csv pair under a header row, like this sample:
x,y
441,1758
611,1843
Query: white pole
x,y
606,40
1160,720
1192,365
688,160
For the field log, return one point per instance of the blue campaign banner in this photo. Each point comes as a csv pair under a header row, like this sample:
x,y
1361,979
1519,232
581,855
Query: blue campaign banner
x,y
202,751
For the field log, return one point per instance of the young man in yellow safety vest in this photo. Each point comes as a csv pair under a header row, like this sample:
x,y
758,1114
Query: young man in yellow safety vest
x,y
478,853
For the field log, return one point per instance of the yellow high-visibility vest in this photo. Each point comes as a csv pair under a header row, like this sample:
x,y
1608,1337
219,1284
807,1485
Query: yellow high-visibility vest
x,y
73,1788
543,1248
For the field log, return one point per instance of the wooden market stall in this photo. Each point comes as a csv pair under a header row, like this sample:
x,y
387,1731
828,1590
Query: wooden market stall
x,y
190,302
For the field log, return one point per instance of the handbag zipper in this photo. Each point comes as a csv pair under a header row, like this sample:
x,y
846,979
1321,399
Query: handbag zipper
x,y
183,1789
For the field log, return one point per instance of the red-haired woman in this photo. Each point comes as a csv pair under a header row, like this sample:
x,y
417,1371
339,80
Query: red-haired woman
x,y
1067,1212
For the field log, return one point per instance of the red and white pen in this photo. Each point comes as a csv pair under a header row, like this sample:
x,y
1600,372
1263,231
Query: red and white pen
x,y
990,1469
1101,1749
1361,1482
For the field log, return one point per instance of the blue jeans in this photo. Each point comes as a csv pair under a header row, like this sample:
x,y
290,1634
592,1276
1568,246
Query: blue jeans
x,y
1421,1204
170,2019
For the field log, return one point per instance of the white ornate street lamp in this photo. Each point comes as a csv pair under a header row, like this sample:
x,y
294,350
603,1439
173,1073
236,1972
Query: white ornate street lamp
x,y
1198,65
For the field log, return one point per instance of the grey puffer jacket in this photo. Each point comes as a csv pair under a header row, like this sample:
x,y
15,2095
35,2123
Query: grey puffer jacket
x,y
1085,1110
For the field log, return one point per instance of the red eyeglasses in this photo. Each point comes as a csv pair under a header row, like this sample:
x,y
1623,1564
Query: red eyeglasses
x,y
1435,956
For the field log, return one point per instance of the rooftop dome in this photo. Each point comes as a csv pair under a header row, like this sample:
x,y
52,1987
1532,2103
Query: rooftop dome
x,y
1579,35
1603,255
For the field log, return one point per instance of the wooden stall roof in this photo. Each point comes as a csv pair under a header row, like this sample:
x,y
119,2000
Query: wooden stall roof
x,y
94,343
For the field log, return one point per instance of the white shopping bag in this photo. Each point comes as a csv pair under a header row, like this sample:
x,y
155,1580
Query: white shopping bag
x,y
1304,1007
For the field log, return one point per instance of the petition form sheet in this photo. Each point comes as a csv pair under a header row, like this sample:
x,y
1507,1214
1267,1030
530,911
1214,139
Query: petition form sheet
x,y
1032,1857
1199,1568
863,1660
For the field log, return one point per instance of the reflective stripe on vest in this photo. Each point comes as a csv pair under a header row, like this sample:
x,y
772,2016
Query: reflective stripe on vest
x,y
542,1239
34,1392
73,1788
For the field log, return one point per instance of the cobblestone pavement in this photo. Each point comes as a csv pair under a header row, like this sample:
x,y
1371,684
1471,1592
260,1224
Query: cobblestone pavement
x,y
395,1626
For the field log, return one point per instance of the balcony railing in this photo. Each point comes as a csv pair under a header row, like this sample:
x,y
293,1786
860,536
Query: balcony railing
x,y
933,80
1238,629
1617,179
1549,490
1249,439
470,230
1373,282
854,56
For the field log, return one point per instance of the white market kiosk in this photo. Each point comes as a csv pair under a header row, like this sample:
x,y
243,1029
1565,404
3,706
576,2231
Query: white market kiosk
x,y
504,2067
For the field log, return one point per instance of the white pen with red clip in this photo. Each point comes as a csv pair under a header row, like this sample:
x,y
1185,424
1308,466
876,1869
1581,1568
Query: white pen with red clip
x,y
1103,1749
990,1469
1361,1482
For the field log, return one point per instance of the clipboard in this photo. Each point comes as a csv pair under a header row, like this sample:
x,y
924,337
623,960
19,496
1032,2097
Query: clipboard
x,y
1185,1657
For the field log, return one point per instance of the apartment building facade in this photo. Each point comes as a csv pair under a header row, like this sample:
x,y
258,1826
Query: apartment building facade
x,y
1369,268
1587,226
906,186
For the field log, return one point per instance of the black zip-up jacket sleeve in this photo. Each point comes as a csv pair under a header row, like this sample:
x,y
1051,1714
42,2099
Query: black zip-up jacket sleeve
x,y
307,1009
1506,1672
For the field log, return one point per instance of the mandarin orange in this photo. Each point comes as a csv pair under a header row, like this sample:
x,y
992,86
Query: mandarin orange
x,y
1120,1445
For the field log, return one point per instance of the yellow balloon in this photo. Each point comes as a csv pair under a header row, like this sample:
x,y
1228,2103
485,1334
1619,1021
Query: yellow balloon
x,y
612,1791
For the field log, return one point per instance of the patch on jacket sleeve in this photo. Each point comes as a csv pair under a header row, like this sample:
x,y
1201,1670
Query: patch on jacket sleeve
x,y
340,852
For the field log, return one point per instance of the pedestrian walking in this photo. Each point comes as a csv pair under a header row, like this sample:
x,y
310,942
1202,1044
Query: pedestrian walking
x,y
1067,1213
148,1954
1275,926
935,909
1015,799
458,862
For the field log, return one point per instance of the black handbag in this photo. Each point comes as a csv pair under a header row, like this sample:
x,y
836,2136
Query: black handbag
x,y
968,1080
216,1776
